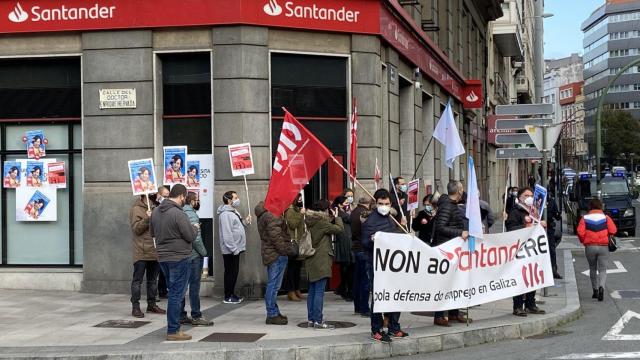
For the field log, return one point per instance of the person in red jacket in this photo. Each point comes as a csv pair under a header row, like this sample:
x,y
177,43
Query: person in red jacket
x,y
593,231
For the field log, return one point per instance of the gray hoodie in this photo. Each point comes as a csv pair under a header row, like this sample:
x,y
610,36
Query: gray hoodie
x,y
233,239
173,232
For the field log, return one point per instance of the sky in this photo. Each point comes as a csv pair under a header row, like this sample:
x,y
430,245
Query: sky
x,y
562,35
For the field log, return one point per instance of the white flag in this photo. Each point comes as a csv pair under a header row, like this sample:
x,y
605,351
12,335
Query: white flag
x,y
447,133
473,203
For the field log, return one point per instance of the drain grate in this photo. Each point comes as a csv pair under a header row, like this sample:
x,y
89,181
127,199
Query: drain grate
x,y
122,324
629,294
337,324
550,334
233,337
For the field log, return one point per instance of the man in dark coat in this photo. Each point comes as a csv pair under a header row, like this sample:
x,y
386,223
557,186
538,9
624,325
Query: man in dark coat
x,y
360,280
399,203
553,214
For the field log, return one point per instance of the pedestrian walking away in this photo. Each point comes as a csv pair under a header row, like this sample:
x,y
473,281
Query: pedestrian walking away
x,y
233,242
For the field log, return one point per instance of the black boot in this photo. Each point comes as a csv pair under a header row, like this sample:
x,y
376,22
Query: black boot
x,y
595,294
600,293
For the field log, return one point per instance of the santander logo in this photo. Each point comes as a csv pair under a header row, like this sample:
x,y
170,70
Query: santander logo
x,y
272,8
18,15
472,97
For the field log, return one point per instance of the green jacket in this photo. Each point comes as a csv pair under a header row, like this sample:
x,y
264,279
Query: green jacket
x,y
295,222
319,224
198,246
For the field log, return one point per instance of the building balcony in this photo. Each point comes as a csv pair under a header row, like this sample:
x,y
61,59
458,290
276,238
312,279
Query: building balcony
x,y
501,91
507,32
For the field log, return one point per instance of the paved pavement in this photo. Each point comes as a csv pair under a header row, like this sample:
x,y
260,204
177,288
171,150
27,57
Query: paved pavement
x,y
37,324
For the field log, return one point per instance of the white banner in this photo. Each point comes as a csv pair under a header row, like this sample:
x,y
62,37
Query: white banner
x,y
412,276
205,184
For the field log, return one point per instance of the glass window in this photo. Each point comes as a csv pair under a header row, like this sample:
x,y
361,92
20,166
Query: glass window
x,y
56,135
78,206
77,136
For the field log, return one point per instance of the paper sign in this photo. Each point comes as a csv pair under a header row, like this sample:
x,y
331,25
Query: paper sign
x,y
12,174
205,190
412,193
35,143
117,98
36,204
35,173
142,176
241,159
539,202
56,175
174,164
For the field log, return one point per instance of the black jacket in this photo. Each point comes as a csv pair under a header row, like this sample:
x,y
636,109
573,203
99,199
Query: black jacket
x,y
395,204
515,219
374,223
425,231
449,222
356,229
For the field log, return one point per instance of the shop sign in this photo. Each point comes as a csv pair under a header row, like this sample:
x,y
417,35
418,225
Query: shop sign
x,y
472,94
117,98
493,129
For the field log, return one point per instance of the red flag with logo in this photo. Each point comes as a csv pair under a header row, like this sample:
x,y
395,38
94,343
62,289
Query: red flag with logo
x,y
299,156
354,141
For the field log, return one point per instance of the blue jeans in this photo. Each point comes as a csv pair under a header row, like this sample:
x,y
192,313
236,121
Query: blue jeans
x,y
177,275
194,289
275,272
315,300
360,284
376,318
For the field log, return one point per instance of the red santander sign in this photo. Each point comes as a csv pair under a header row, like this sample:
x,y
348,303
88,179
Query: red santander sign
x,y
472,94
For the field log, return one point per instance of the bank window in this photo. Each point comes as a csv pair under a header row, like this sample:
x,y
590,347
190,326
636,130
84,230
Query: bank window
x,y
42,94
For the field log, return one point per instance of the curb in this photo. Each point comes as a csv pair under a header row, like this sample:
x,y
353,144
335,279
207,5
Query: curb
x,y
421,341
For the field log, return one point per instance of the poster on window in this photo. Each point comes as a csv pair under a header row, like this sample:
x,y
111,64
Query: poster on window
x,y
205,189
35,142
12,174
56,175
412,194
193,173
36,204
142,176
241,159
174,164
35,174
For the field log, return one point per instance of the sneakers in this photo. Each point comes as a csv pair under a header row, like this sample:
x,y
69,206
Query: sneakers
x,y
155,309
519,312
233,299
179,336
277,320
185,320
136,312
323,326
399,334
381,336
600,293
535,310
309,324
201,322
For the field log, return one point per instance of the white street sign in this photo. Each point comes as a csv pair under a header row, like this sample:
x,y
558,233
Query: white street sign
x,y
619,269
524,109
553,132
616,330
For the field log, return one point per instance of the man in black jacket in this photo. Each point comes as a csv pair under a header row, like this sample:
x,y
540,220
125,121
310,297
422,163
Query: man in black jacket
x,y
360,280
449,224
553,214
399,203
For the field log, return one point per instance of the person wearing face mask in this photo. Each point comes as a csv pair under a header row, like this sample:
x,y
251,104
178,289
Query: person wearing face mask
x,y
348,193
294,218
197,255
342,246
423,223
233,242
519,218
512,195
399,203
174,238
360,279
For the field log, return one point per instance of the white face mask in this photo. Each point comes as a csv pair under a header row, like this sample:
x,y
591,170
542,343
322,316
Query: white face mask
x,y
403,188
235,203
384,210
528,201
350,199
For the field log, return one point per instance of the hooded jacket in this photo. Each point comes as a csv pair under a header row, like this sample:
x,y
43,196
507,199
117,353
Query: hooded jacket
x,y
594,229
319,224
449,222
274,236
295,222
375,222
143,248
173,232
198,246
233,239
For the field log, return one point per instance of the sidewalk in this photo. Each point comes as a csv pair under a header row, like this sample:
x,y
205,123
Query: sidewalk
x,y
61,325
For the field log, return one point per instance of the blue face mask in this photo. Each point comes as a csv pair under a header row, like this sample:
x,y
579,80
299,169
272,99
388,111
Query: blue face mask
x,y
428,208
403,188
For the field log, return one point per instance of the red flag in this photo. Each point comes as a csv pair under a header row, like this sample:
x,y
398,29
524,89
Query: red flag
x,y
354,141
377,176
300,154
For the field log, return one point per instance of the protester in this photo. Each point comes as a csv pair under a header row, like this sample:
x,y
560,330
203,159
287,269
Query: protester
x,y
348,193
233,242
380,219
174,235
342,247
275,249
163,193
322,223
449,224
294,218
360,279
423,223
512,195
197,256
399,203
593,231
553,215
520,218
145,258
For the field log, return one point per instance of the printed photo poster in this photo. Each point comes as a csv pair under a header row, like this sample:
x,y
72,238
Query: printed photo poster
x,y
193,173
55,174
143,178
241,159
36,204
539,202
12,174
35,176
35,143
412,194
175,158
205,191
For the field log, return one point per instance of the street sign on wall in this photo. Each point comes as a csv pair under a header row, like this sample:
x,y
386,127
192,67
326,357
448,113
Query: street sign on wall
x,y
520,153
518,124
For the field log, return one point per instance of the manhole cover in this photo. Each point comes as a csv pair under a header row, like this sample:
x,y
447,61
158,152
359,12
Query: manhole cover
x,y
550,334
233,337
629,294
337,324
122,324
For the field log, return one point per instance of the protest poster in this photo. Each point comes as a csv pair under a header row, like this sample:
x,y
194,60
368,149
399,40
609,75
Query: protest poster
x,y
36,204
55,174
35,143
205,191
35,173
409,275
412,194
12,174
174,164
241,159
539,202
193,173
142,176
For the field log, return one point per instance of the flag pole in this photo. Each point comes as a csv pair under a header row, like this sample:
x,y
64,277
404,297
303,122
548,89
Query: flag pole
x,y
246,187
365,190
422,157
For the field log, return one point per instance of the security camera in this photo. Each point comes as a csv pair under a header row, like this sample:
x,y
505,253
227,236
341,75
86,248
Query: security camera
x,y
416,73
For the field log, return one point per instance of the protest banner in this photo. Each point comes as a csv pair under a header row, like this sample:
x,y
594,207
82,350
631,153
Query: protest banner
x,y
205,189
12,174
175,158
142,176
539,202
36,204
35,143
412,194
412,276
